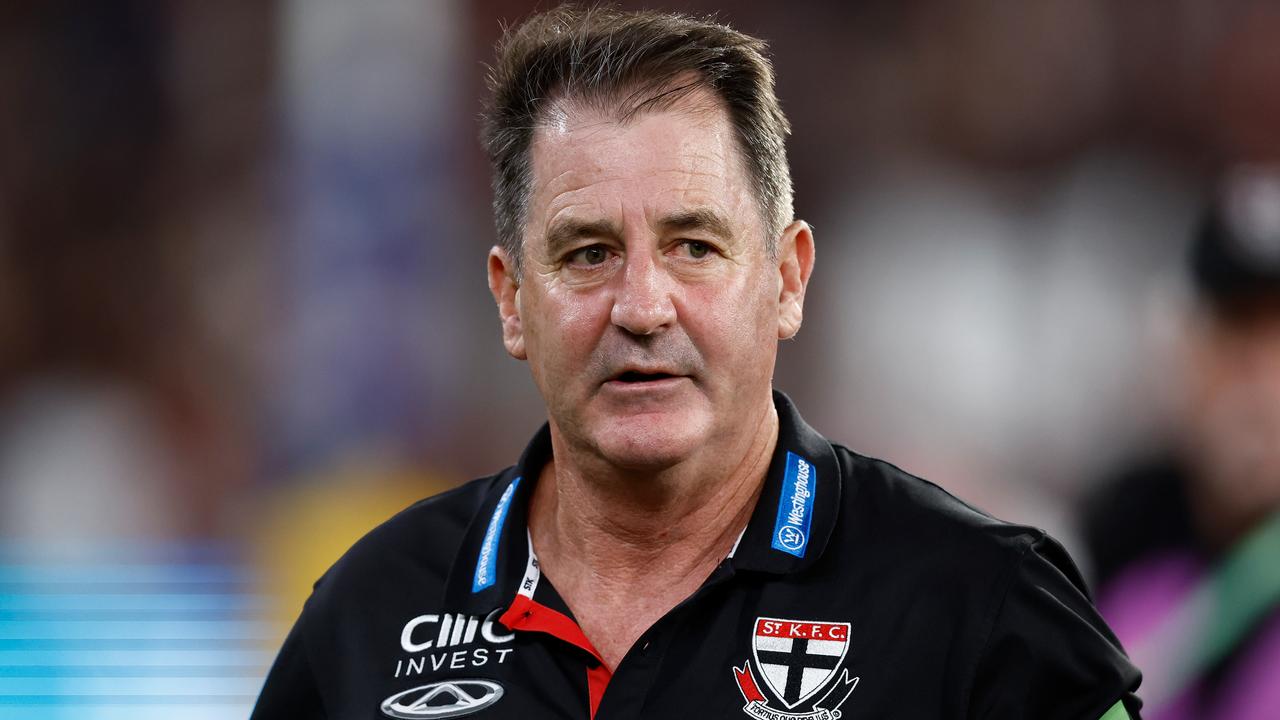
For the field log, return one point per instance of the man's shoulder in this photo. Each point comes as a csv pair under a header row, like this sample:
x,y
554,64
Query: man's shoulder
x,y
1009,581
418,543
973,592
910,519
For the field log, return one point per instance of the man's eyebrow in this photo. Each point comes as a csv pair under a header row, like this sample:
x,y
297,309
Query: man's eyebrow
x,y
698,219
564,232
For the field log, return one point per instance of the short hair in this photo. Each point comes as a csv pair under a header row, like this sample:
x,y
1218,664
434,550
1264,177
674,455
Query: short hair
x,y
629,62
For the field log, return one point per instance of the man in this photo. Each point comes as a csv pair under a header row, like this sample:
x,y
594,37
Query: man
x,y
676,541
1185,544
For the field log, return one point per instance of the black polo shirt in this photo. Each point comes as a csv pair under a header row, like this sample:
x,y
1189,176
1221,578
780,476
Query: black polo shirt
x,y
856,590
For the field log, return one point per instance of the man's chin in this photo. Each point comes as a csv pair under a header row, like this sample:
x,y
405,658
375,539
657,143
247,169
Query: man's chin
x,y
653,441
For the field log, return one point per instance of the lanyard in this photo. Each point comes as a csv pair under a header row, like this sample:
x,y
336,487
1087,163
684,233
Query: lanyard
x,y
1216,616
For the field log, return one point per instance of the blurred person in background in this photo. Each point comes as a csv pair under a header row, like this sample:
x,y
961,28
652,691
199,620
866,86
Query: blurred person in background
x,y
130,186
1186,547
700,550
119,416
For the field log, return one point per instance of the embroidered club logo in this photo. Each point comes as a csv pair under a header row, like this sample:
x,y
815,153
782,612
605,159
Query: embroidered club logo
x,y
799,662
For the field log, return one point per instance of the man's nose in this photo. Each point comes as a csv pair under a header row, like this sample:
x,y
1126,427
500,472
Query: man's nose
x,y
642,305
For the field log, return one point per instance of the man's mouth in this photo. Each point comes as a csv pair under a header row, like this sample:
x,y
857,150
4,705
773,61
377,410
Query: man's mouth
x,y
649,378
635,376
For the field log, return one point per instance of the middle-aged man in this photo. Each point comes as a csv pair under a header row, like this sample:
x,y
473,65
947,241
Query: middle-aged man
x,y
676,542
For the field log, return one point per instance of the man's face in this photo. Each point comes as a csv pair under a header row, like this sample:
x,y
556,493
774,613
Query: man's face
x,y
648,308
1235,410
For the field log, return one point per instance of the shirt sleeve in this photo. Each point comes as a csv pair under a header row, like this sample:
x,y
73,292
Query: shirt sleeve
x,y
1049,655
290,691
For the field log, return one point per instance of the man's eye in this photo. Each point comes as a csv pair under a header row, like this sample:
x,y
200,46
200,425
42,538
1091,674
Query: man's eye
x,y
697,250
593,255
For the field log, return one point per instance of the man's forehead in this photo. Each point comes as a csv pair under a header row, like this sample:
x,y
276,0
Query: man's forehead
x,y
586,140
672,161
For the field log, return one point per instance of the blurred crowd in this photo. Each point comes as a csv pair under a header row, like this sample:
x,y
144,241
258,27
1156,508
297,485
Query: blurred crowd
x,y
243,314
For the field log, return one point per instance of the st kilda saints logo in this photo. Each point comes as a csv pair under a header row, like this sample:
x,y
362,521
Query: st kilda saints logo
x,y
799,662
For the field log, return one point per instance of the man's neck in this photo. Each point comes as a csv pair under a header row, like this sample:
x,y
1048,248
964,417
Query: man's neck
x,y
624,547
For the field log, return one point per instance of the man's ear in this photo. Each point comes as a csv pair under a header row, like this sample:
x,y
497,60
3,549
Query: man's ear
x,y
505,286
795,264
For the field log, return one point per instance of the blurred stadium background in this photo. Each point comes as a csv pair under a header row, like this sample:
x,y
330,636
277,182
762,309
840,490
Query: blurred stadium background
x,y
243,315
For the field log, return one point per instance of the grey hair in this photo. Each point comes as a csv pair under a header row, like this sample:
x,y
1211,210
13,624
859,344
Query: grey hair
x,y
628,63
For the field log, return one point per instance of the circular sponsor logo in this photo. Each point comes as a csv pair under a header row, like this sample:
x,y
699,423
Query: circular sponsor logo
x,y
447,699
791,538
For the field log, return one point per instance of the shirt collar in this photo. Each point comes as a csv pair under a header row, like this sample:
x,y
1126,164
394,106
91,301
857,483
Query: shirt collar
x,y
788,530
492,559
799,504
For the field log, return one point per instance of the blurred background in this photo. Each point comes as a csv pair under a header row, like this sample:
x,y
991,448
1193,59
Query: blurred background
x,y
243,314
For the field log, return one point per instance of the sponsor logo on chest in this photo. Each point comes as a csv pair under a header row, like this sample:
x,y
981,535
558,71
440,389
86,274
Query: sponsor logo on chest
x,y
447,699
452,641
